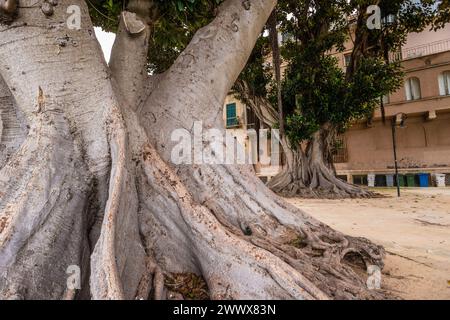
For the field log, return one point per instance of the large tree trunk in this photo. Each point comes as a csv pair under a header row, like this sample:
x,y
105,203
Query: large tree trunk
x,y
309,171
62,186
91,183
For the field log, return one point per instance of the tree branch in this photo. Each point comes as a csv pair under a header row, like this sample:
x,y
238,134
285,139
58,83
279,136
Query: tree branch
x,y
128,62
273,35
264,111
204,73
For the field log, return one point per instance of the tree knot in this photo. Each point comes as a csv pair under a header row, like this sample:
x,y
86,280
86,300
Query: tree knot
x,y
47,8
8,11
133,24
64,41
234,22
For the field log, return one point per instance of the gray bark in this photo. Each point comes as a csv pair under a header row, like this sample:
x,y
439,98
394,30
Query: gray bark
x,y
65,183
233,194
92,184
309,171
12,131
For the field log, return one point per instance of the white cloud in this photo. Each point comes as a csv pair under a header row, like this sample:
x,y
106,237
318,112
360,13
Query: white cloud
x,y
106,40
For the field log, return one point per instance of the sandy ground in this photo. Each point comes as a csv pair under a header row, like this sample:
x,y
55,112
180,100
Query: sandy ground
x,y
415,231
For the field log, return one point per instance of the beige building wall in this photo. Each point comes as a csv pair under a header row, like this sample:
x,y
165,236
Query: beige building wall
x,y
423,146
417,42
427,69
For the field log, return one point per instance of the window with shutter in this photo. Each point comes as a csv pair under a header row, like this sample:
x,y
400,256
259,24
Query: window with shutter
x,y
232,119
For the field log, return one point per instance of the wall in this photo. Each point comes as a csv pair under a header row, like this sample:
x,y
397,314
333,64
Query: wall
x,y
426,37
421,146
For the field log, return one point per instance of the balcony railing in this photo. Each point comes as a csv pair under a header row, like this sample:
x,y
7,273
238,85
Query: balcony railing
x,y
421,51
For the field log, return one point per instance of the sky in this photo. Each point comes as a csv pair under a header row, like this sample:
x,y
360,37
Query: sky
x,y
106,41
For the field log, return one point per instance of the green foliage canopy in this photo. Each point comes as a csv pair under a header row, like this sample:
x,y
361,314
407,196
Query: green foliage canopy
x,y
173,23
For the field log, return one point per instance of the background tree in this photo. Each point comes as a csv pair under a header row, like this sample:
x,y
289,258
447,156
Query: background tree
x,y
88,181
320,100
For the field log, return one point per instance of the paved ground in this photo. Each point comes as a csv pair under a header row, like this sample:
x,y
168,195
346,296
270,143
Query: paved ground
x,y
415,230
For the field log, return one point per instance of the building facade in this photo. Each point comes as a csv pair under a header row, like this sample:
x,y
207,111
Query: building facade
x,y
423,143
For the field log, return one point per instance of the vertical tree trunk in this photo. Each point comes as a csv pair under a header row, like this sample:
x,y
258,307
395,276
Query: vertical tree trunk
x,y
310,172
56,187
276,57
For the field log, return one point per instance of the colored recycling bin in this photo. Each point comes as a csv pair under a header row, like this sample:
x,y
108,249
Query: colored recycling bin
x,y
390,180
401,180
371,180
424,179
440,180
410,180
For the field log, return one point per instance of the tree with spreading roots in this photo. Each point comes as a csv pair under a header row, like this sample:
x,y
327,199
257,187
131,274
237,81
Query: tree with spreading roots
x,y
316,100
87,181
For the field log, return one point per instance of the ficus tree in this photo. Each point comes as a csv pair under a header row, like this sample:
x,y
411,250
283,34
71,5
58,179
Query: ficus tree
x,y
319,99
86,177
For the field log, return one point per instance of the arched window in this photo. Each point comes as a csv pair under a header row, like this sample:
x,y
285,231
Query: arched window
x,y
412,87
444,83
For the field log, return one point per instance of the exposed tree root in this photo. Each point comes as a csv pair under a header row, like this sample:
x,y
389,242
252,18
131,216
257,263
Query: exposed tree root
x,y
118,261
323,185
310,173
270,223
186,238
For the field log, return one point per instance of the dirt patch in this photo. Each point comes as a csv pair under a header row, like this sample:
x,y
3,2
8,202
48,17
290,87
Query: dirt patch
x,y
415,230
190,286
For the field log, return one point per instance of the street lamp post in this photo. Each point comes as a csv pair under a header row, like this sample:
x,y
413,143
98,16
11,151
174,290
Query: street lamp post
x,y
397,121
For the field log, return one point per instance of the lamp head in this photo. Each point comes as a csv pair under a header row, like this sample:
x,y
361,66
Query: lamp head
x,y
399,120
